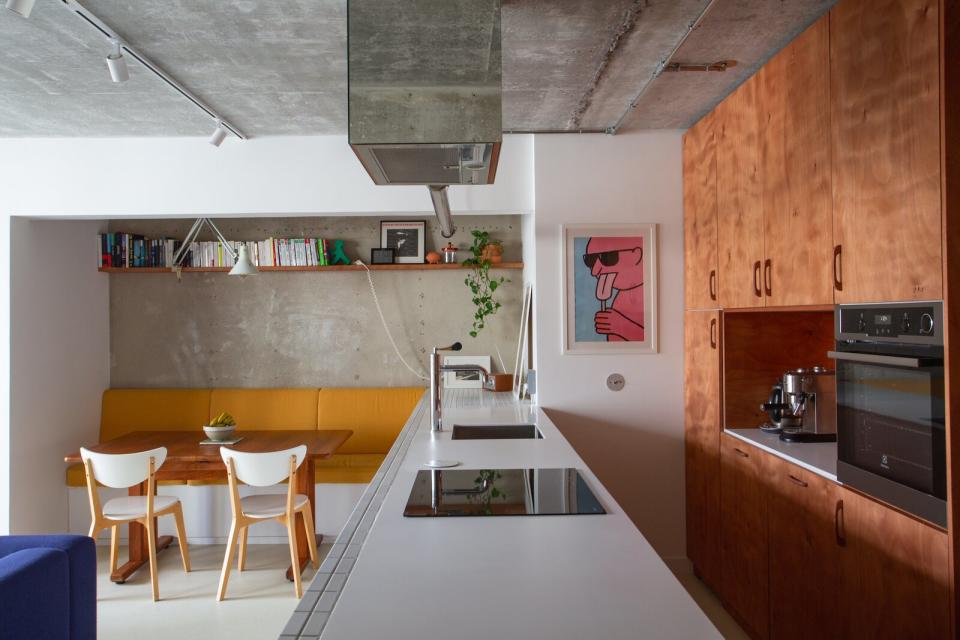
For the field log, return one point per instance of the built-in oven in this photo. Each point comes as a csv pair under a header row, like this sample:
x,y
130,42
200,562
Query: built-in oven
x,y
891,439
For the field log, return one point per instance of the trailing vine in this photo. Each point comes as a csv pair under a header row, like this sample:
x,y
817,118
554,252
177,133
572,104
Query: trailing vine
x,y
481,285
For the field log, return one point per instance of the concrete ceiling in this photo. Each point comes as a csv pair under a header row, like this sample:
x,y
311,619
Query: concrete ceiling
x,y
275,68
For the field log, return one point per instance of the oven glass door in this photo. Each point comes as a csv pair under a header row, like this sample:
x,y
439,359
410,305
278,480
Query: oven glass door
x,y
890,421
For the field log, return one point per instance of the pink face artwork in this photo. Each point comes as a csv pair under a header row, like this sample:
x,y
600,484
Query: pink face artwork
x,y
617,263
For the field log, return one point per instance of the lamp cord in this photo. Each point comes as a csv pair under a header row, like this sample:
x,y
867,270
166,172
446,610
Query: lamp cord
x,y
383,321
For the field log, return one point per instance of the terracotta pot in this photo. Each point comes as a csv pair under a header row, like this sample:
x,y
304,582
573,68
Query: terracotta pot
x,y
493,253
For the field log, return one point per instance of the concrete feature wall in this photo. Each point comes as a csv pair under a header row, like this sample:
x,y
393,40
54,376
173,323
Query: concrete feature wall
x,y
59,363
632,439
301,329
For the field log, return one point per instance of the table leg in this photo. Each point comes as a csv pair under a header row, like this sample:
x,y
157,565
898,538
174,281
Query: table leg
x,y
306,485
138,552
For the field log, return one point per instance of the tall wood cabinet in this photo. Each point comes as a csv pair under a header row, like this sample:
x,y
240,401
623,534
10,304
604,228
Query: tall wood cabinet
x,y
885,112
793,98
702,442
700,215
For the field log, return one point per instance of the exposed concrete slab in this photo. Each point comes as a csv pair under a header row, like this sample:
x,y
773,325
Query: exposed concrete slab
x,y
300,329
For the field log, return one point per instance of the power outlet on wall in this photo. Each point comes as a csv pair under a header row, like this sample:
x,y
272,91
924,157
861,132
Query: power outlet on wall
x,y
615,382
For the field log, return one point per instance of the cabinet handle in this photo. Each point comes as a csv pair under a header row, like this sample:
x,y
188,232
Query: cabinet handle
x,y
838,267
838,527
795,480
713,285
757,288
768,276
713,333
741,453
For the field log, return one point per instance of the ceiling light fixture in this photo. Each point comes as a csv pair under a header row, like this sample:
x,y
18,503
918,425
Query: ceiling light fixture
x,y
219,134
243,265
117,65
21,7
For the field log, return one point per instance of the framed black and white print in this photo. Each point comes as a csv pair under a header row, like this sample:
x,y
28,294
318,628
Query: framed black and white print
x,y
382,256
406,238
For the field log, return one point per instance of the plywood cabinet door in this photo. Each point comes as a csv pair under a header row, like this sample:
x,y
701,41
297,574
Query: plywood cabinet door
x,y
896,582
805,553
793,99
700,215
884,70
702,442
739,208
743,535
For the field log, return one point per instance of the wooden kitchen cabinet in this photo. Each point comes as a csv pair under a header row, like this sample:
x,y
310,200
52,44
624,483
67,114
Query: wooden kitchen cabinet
x,y
806,552
884,71
743,535
702,442
700,215
793,97
739,204
895,573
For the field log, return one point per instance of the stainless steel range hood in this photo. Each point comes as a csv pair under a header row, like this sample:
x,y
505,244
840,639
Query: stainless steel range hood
x,y
424,90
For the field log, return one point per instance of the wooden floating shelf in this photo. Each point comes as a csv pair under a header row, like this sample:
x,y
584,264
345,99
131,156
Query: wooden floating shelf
x,y
337,267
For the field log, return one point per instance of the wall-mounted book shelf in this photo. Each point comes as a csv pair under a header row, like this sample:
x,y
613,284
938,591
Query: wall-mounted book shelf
x,y
336,267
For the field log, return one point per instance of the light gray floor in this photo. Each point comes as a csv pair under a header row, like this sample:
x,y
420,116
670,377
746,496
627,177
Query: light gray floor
x,y
259,600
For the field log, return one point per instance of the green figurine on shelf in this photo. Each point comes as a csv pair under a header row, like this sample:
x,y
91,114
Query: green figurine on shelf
x,y
339,255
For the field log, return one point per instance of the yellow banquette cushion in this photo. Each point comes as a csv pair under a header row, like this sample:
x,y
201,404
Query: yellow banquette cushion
x,y
375,415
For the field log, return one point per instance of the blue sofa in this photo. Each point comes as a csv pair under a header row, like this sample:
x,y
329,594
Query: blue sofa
x,y
48,588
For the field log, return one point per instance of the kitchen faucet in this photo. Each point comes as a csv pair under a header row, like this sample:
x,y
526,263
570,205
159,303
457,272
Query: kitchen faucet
x,y
436,392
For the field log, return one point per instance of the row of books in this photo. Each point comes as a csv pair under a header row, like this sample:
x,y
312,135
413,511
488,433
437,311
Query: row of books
x,y
134,251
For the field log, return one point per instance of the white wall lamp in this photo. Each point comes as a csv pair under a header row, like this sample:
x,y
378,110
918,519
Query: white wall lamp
x,y
21,7
243,265
219,135
117,65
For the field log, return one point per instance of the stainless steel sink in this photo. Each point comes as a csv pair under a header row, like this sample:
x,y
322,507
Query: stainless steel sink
x,y
496,432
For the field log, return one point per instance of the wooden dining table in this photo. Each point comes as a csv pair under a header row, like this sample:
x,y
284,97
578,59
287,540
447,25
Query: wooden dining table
x,y
187,459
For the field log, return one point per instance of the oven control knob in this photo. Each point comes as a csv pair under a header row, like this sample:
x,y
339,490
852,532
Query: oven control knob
x,y
926,324
905,324
861,323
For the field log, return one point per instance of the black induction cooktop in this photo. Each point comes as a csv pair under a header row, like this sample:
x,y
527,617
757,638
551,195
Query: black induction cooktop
x,y
500,492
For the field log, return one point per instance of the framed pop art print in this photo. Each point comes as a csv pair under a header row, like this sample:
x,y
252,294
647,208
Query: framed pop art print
x,y
609,288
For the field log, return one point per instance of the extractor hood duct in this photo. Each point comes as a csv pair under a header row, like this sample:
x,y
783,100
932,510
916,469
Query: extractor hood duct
x,y
424,92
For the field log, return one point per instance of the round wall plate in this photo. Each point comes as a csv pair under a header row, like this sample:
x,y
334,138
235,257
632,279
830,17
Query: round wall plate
x,y
441,464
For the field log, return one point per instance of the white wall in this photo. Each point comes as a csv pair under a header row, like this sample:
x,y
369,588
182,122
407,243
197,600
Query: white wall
x,y
632,439
186,176
59,363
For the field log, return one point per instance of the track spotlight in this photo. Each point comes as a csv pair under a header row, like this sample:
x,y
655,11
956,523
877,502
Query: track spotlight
x,y
219,135
21,7
117,65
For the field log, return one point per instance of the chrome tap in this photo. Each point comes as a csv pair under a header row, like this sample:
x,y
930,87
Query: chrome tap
x,y
436,390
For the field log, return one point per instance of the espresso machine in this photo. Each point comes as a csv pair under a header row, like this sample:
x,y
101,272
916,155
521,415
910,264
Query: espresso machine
x,y
803,406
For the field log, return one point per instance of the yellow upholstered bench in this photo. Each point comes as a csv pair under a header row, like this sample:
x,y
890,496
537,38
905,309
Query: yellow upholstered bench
x,y
375,415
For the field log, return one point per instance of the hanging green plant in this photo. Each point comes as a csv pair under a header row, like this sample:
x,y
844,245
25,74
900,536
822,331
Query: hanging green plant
x,y
481,285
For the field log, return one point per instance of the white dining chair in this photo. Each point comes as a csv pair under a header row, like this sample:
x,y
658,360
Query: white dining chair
x,y
265,470
122,471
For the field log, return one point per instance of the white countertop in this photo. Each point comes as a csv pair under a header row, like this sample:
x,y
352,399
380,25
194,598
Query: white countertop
x,y
818,457
550,577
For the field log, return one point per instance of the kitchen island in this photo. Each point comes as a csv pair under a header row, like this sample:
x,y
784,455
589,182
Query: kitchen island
x,y
556,577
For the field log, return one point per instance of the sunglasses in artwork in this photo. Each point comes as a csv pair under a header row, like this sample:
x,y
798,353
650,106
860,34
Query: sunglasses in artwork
x,y
607,258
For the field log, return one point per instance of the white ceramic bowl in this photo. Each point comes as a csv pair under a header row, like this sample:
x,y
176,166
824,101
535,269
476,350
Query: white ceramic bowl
x,y
220,433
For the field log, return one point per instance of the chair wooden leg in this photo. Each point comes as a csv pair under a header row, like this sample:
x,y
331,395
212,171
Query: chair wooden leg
x,y
292,534
152,550
311,536
182,537
114,547
227,561
242,559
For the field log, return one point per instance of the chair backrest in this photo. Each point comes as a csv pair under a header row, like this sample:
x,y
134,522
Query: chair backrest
x,y
122,470
263,469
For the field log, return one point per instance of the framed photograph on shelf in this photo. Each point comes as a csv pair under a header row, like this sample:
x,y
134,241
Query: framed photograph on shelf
x,y
609,289
464,379
406,238
382,256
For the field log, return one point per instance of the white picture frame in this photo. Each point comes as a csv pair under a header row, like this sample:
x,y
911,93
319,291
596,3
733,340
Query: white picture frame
x,y
406,238
592,321
458,380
